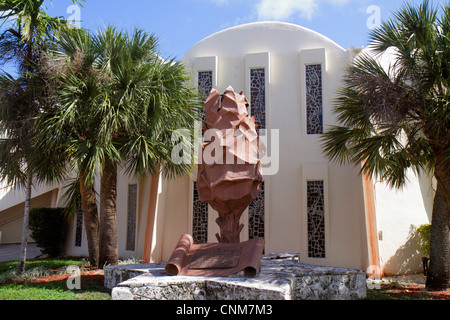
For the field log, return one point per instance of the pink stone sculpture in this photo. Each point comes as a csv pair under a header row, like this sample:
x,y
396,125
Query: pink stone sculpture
x,y
233,179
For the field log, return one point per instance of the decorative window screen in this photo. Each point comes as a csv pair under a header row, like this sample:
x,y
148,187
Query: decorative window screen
x,y
256,216
200,209
79,227
316,219
200,219
314,99
131,219
256,210
205,83
258,96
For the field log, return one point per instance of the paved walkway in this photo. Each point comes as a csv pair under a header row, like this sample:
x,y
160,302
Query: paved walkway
x,y
11,252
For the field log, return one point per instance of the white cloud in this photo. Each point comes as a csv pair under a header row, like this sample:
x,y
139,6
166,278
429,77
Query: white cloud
x,y
283,9
220,2
286,9
338,2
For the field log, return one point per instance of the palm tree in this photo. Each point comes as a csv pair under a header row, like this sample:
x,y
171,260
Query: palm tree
x,y
67,127
122,103
149,100
18,99
398,118
30,30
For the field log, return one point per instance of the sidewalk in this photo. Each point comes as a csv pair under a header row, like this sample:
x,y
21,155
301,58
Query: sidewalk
x,y
11,252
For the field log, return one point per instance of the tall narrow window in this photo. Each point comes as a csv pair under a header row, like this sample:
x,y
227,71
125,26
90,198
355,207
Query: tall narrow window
x,y
316,219
79,226
314,99
131,221
256,209
256,216
200,209
200,219
258,96
205,83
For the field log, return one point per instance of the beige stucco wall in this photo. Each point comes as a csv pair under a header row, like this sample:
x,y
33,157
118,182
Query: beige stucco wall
x,y
174,220
143,192
301,157
11,219
283,50
398,212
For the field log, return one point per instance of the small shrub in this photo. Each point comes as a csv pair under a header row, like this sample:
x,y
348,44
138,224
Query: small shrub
x,y
424,232
48,228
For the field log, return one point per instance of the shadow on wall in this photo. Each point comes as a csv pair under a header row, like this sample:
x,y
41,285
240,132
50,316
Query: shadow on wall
x,y
408,257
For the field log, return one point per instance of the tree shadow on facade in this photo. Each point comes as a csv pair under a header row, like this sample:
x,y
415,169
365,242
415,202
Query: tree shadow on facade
x,y
408,257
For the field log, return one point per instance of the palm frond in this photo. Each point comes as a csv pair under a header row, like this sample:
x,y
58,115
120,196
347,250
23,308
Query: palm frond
x,y
395,118
72,198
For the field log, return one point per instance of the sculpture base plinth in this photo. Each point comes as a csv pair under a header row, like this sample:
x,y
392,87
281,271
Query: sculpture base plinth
x,y
215,259
281,277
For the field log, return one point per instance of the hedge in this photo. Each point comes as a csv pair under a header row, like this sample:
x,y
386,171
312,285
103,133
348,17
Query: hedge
x,y
48,228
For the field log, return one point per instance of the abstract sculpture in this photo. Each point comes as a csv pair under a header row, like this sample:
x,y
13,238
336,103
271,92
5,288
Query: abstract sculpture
x,y
232,184
229,179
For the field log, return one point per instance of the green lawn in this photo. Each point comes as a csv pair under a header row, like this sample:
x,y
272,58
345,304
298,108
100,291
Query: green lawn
x,y
92,288
25,288
38,264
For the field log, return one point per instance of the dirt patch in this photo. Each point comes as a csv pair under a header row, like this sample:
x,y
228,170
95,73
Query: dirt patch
x,y
410,291
406,287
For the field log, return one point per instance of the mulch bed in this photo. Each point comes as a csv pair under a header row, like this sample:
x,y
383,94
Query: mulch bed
x,y
413,291
86,275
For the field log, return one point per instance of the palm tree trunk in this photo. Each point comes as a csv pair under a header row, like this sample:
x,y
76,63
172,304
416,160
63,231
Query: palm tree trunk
x,y
109,248
91,220
439,272
26,218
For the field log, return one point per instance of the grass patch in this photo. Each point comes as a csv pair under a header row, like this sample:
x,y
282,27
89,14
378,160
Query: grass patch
x,y
37,268
91,289
47,280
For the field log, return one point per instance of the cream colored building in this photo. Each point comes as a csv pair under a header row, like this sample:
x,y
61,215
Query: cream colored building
x,y
328,213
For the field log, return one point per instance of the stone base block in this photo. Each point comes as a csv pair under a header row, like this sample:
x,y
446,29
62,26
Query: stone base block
x,y
282,277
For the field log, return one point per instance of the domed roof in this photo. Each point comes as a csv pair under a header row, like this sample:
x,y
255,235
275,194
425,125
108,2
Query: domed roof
x,y
268,36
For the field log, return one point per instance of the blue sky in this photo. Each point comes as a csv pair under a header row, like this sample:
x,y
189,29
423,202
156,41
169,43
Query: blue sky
x,y
179,24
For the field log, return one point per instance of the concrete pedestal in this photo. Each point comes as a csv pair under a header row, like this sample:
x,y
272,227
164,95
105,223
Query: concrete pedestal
x,y
282,277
